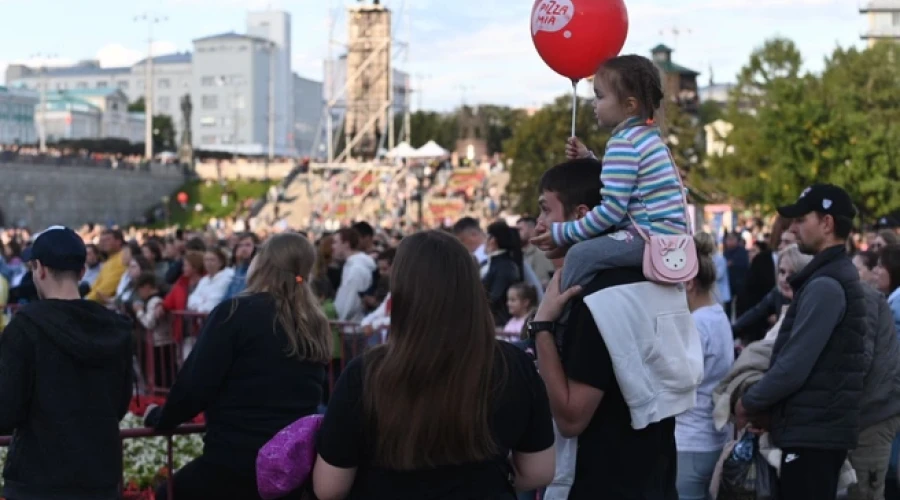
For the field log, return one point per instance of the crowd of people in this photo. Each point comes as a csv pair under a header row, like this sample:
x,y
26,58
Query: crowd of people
x,y
551,358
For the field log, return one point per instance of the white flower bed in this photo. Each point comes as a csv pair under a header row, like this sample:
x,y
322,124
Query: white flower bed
x,y
144,459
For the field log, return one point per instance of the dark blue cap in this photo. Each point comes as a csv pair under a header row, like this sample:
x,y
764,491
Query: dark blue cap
x,y
58,248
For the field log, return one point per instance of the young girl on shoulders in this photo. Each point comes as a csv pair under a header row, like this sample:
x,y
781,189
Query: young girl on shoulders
x,y
640,182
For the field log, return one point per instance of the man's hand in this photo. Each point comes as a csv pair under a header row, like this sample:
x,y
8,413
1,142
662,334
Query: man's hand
x,y
544,242
576,149
554,300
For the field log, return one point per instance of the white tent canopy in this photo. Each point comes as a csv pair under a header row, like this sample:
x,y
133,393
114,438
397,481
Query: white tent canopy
x,y
402,150
431,149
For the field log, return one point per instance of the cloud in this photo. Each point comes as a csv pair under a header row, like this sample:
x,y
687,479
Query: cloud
x,y
115,54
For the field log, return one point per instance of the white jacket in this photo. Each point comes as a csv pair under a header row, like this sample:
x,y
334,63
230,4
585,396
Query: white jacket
x,y
210,291
654,346
379,319
355,279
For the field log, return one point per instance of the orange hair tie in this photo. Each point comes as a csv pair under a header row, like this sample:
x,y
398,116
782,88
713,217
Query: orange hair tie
x,y
299,279
650,121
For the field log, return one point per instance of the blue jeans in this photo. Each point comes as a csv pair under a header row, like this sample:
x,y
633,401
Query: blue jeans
x,y
695,470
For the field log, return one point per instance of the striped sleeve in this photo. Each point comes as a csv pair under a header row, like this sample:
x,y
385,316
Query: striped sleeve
x,y
619,175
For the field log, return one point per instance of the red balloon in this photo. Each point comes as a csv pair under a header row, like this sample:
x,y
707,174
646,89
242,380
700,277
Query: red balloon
x,y
574,37
182,197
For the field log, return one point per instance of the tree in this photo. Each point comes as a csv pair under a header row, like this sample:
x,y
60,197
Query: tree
x,y
792,130
538,143
137,106
429,126
501,123
163,133
163,128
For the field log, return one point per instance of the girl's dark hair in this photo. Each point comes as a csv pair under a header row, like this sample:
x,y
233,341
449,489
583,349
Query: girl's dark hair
x,y
508,239
634,76
869,258
706,268
441,344
155,249
890,261
142,262
527,293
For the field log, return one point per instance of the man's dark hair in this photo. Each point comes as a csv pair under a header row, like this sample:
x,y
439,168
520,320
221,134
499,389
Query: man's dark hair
x,y
196,243
466,224
252,236
843,226
364,229
349,236
116,234
59,275
575,182
388,255
531,221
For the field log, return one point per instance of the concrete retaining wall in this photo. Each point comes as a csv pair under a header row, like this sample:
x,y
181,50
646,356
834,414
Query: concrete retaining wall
x,y
42,195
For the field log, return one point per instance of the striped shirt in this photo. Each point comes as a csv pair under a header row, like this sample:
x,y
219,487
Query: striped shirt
x,y
638,178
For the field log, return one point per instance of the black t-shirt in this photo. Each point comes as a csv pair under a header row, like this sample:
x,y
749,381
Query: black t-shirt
x,y
520,421
614,460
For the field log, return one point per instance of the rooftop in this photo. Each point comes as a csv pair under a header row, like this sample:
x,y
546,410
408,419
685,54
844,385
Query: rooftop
x,y
880,6
87,70
175,58
231,35
662,56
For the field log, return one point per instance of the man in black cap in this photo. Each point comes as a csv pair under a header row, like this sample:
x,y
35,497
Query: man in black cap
x,y
809,399
65,382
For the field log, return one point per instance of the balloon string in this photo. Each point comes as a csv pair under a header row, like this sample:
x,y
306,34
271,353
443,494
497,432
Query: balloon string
x,y
574,104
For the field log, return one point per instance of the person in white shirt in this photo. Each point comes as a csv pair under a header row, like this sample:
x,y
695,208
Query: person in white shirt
x,y
698,443
212,287
356,276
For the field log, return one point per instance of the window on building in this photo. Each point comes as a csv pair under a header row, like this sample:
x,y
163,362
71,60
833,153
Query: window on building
x,y
81,85
208,139
163,103
208,81
895,18
209,102
123,84
208,121
164,83
102,85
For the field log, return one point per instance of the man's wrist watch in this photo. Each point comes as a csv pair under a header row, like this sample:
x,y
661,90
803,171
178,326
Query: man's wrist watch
x,y
540,326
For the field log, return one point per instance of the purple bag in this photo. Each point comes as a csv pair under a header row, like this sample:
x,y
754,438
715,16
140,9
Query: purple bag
x,y
286,461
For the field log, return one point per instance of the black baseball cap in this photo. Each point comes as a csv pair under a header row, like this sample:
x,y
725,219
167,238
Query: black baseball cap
x,y
822,198
58,248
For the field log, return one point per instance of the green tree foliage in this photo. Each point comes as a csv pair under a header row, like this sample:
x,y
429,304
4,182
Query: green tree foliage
x,y
539,142
425,126
793,129
163,128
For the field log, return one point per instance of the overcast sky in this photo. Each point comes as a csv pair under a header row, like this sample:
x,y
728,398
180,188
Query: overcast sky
x,y
478,50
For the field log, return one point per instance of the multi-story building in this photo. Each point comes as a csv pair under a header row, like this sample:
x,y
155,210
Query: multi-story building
x,y
228,79
90,114
231,93
308,106
17,116
680,83
171,75
275,26
883,18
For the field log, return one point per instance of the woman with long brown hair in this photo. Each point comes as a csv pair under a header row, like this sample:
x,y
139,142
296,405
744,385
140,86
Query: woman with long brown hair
x,y
438,410
258,366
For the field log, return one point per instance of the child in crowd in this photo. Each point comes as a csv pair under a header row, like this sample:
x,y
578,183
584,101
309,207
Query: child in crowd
x,y
521,301
147,288
641,185
325,293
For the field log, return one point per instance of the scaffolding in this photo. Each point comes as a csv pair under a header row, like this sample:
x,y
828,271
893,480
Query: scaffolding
x,y
361,92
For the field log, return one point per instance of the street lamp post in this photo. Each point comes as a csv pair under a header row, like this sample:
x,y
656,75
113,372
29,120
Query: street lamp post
x,y
151,20
42,119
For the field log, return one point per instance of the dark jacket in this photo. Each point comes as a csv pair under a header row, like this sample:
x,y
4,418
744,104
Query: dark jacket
x,y
502,274
881,392
748,325
813,388
65,383
760,280
240,375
